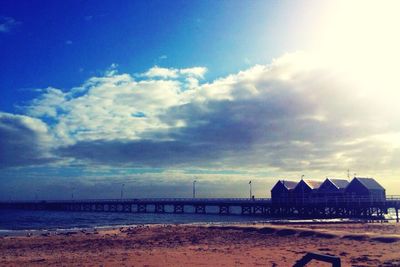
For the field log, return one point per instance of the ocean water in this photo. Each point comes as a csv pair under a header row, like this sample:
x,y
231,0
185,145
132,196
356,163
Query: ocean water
x,y
391,214
26,220
11,220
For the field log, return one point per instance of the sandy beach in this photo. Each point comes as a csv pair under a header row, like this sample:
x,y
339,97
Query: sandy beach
x,y
367,244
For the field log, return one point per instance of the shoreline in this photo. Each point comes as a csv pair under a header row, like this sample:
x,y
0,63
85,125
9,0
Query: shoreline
x,y
34,232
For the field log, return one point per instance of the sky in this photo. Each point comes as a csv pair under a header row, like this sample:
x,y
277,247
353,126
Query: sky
x,y
147,96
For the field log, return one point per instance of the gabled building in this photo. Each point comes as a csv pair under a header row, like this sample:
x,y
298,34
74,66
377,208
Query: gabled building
x,y
332,187
306,188
282,190
365,188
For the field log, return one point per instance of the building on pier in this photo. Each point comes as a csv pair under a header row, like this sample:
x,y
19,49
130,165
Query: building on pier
x,y
306,188
366,188
282,190
332,187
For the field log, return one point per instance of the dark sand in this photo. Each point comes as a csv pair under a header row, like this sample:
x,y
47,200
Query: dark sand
x,y
187,245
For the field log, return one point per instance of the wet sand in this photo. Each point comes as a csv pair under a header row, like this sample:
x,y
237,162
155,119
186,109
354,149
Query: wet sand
x,y
364,244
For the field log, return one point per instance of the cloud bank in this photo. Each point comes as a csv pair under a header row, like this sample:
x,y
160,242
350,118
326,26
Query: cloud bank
x,y
291,115
24,141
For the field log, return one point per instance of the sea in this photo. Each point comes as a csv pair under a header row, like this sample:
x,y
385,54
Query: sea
x,y
27,220
15,222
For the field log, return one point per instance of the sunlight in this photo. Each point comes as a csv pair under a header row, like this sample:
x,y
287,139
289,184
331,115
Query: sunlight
x,y
360,38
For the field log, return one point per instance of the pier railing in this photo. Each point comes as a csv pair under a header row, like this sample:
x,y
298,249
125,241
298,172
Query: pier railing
x,y
287,200
393,197
329,200
152,200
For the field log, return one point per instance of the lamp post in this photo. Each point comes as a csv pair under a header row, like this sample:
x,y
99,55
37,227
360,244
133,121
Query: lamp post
x,y
122,191
194,189
250,189
302,190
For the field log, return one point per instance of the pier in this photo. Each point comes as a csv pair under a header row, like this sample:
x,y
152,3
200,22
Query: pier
x,y
334,207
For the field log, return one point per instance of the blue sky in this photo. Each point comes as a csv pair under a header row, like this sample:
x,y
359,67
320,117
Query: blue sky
x,y
63,44
154,94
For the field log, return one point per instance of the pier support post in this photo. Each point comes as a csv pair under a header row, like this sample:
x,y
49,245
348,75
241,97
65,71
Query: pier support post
x,y
246,210
159,208
127,208
178,208
397,215
142,208
99,207
258,210
200,209
224,209
112,207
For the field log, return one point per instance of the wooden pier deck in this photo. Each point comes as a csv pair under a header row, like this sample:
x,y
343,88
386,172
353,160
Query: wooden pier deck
x,y
338,207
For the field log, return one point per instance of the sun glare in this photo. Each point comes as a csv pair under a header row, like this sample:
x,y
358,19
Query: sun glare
x,y
361,40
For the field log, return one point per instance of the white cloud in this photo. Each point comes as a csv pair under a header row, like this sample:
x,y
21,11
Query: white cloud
x,y
106,108
168,73
195,72
112,70
7,23
293,114
47,104
161,72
